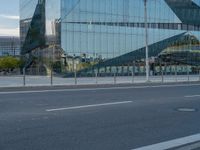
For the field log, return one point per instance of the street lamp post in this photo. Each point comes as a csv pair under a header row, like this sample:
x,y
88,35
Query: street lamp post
x,y
146,41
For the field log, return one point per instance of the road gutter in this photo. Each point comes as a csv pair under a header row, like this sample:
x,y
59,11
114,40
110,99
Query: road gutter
x,y
172,144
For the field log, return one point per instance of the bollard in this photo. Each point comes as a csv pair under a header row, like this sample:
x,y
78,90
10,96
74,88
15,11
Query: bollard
x,y
24,76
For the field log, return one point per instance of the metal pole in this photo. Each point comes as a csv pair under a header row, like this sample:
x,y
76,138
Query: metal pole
x,y
74,70
96,76
133,76
176,73
165,70
133,72
24,76
115,79
160,69
51,76
190,39
188,74
75,77
52,61
146,41
199,75
162,72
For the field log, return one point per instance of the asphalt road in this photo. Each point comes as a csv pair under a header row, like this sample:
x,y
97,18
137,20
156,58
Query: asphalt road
x,y
106,118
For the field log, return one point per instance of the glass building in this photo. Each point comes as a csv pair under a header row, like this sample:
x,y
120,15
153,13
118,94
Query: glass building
x,y
37,23
9,46
110,34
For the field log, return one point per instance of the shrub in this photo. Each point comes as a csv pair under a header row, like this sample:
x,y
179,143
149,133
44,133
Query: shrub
x,y
7,63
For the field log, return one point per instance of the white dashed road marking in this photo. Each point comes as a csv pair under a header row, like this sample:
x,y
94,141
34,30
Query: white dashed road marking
x,y
88,106
191,96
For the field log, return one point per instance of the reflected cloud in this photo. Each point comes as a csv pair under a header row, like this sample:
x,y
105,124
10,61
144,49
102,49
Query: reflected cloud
x,y
12,17
9,31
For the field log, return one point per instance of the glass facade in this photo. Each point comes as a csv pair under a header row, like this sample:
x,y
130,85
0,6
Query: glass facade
x,y
38,20
9,46
111,33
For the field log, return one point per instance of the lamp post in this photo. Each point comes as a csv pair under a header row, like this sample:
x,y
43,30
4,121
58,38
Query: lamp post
x,y
146,41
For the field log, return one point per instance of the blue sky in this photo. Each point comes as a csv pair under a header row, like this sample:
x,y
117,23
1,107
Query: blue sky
x,y
9,18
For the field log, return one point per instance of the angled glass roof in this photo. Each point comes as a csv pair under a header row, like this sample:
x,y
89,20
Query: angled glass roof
x,y
186,10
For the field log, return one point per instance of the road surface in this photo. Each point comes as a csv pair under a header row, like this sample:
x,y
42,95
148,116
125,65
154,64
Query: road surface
x,y
103,118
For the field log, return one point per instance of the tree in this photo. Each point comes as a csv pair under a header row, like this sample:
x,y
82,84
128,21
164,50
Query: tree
x,y
57,66
9,63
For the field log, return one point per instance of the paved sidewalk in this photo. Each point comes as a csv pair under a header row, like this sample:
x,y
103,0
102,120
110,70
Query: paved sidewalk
x,y
15,81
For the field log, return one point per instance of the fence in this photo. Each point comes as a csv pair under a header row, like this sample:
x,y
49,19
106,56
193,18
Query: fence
x,y
111,75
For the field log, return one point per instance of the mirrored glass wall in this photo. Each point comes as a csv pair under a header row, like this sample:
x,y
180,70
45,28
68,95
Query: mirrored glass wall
x,y
107,37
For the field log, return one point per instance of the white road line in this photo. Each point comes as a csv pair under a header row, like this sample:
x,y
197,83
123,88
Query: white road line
x,y
96,89
191,96
173,143
88,106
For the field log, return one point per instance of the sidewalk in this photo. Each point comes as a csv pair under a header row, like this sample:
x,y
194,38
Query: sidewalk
x,y
17,81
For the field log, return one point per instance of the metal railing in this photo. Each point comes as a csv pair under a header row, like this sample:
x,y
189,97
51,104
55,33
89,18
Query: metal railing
x,y
96,78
